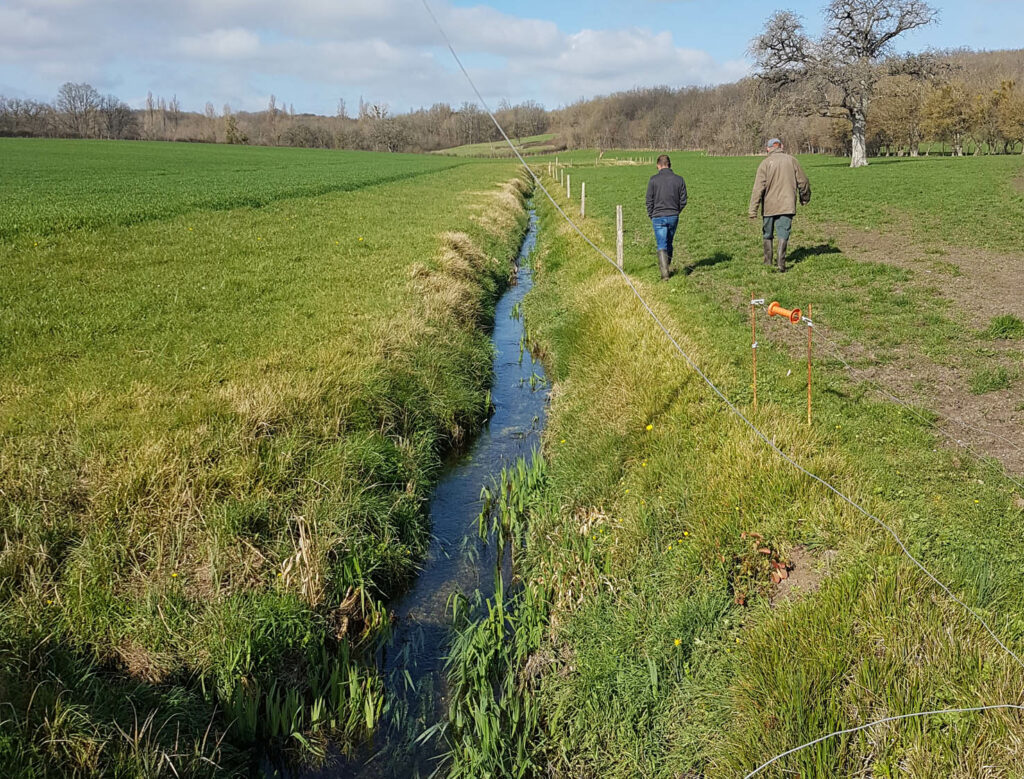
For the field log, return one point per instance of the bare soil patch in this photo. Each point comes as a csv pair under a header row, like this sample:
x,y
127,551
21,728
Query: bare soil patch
x,y
805,575
982,284
979,285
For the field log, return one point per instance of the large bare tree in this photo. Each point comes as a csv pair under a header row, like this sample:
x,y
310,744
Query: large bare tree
x,y
836,74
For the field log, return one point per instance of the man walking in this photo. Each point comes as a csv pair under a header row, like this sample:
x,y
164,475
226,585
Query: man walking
x,y
666,198
779,179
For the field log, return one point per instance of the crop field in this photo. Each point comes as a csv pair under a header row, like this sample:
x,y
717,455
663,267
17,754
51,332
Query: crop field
x,y
228,378
651,637
49,188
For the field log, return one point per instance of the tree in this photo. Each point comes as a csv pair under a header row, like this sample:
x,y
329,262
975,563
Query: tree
x,y
1010,115
78,105
232,133
118,121
836,74
211,122
948,115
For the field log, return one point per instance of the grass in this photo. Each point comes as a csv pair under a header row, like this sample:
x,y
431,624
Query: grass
x,y
662,649
219,424
50,187
534,144
991,379
1005,327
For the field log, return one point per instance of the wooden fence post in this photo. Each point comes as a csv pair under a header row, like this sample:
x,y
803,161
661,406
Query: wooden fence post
x,y
583,199
618,236
568,187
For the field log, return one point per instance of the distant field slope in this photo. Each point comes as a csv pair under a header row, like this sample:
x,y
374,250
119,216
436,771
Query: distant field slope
x,y
534,144
218,427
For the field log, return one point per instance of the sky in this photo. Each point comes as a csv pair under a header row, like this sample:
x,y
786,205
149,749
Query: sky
x,y
311,53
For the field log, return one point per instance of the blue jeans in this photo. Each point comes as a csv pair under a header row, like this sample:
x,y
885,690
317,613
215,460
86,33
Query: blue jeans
x,y
665,232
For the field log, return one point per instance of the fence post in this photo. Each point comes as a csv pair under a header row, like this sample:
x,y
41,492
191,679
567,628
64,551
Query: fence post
x,y
583,199
618,236
568,187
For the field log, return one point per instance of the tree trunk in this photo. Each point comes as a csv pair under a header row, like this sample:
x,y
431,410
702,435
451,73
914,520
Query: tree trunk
x,y
859,157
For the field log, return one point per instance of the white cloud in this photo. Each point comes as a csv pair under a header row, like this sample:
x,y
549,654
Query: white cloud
x,y
234,44
316,50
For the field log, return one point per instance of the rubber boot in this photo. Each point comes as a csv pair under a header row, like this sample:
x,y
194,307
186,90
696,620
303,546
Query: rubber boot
x,y
663,264
782,256
769,253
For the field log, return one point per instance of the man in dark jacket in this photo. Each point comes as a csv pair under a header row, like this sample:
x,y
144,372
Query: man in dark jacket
x,y
666,198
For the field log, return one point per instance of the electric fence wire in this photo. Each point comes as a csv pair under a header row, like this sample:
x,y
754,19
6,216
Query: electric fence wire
x,y
735,410
859,728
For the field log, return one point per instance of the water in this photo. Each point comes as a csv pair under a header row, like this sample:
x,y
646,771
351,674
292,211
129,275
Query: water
x,y
456,561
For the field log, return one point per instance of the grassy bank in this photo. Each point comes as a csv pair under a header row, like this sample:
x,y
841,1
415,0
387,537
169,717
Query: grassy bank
x,y
657,642
218,428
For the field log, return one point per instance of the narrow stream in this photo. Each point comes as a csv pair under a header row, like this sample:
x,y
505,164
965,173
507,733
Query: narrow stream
x,y
457,560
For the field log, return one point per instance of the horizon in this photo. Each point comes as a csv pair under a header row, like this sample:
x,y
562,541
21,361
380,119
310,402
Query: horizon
x,y
311,55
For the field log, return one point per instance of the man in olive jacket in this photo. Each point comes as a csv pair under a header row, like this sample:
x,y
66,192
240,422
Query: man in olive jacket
x,y
666,198
779,180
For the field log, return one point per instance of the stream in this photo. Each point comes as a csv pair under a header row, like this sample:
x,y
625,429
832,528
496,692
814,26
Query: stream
x,y
457,560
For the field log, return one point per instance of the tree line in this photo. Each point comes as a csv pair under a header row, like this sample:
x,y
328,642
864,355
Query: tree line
x,y
972,104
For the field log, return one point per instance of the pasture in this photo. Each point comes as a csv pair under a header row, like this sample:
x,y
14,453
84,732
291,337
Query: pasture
x,y
228,378
653,640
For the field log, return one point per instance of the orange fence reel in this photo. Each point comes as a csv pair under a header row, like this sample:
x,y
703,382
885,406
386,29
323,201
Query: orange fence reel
x,y
793,316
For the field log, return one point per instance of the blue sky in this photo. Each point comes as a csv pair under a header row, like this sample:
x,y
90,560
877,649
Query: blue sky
x,y
310,53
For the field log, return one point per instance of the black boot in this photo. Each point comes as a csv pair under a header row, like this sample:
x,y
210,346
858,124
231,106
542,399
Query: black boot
x,y
769,253
782,255
663,264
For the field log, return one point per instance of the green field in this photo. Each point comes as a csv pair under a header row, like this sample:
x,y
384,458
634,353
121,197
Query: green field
x,y
228,378
50,188
533,144
650,638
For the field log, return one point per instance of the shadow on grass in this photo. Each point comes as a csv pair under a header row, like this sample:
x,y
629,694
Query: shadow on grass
x,y
707,262
806,252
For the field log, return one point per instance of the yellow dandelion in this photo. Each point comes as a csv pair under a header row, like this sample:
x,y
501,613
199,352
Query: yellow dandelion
x,y
977,501
360,237
644,464
686,533
174,575
650,428
627,490
737,641
678,642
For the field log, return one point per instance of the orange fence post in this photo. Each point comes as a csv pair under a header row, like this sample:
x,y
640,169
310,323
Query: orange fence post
x,y
810,331
753,341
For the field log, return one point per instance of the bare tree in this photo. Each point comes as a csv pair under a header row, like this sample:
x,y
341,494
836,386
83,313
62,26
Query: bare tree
x,y
211,122
78,105
836,74
174,116
341,112
117,120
